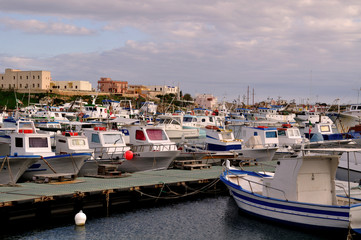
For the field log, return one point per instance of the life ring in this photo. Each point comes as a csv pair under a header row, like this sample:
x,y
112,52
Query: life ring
x,y
212,127
192,113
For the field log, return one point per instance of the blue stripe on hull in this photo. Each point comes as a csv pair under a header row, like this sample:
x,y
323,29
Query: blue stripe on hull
x,y
292,208
216,147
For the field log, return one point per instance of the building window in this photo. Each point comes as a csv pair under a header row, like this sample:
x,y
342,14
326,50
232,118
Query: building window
x,y
38,77
76,87
38,85
33,77
14,77
33,85
21,77
65,87
2,78
21,85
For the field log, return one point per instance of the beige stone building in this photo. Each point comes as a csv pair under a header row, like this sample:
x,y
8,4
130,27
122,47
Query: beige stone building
x,y
71,85
23,80
155,90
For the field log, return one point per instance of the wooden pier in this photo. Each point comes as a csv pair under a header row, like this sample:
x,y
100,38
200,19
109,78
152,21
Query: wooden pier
x,y
38,200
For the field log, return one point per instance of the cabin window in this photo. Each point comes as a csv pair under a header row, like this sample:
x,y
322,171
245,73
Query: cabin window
x,y
37,142
282,132
255,134
78,142
62,141
156,134
210,119
203,120
272,134
325,128
19,142
139,135
227,136
358,107
95,138
112,138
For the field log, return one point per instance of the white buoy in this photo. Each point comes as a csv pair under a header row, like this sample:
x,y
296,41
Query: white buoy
x,y
80,218
228,164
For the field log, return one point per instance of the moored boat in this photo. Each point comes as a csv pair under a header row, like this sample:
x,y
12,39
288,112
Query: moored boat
x,y
301,192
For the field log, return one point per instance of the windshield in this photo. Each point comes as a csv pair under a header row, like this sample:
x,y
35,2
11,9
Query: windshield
x,y
38,142
113,138
78,142
156,134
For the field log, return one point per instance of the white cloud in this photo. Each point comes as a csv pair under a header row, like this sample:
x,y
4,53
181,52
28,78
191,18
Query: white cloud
x,y
206,45
39,27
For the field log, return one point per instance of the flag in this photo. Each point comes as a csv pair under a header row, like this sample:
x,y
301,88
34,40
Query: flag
x,y
18,101
309,128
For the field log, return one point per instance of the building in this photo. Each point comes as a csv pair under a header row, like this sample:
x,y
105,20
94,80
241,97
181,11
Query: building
x,y
155,90
137,89
112,86
207,101
22,80
71,85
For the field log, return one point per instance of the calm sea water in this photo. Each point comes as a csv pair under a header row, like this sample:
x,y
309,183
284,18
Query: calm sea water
x,y
208,218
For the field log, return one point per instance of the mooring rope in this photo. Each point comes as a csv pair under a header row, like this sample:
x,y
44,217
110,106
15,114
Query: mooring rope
x,y
179,195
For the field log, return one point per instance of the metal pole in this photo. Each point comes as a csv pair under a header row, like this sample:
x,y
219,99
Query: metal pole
x,y
348,178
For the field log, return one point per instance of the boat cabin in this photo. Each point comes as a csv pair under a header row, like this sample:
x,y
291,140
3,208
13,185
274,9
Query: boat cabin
x,y
267,136
311,180
71,142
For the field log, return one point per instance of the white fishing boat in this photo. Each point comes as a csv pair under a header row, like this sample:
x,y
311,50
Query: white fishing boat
x,y
260,142
151,147
301,192
289,139
349,118
275,115
107,144
26,141
221,140
173,125
13,167
322,135
313,117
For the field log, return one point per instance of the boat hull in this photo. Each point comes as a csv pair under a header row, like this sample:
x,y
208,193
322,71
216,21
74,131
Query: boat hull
x,y
147,161
68,163
294,213
18,165
260,154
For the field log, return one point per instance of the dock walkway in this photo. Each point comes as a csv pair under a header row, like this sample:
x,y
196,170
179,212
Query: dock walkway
x,y
30,199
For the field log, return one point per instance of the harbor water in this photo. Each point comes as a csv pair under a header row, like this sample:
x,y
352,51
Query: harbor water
x,y
205,218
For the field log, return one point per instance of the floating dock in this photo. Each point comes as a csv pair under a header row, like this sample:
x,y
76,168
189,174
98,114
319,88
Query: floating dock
x,y
50,199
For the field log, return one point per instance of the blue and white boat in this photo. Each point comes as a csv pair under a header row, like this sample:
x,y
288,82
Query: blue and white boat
x,y
322,134
219,139
301,192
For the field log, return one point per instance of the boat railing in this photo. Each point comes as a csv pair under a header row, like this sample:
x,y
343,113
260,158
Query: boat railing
x,y
342,188
153,147
250,183
110,150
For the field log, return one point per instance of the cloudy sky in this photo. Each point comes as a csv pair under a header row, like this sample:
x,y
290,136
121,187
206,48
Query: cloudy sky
x,y
297,49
